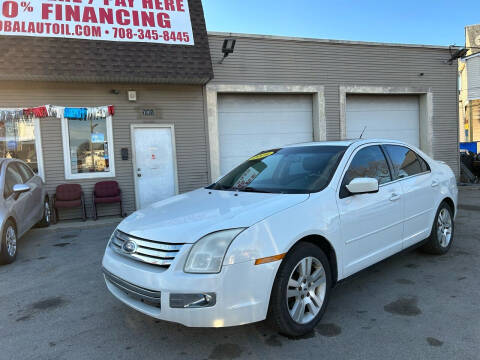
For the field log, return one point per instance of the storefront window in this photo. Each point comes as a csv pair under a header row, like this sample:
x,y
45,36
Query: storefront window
x,y
18,140
88,148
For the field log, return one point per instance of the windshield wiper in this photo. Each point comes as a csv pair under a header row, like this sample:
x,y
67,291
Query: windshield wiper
x,y
251,189
221,187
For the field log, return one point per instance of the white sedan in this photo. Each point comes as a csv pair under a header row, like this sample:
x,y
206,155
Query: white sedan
x,y
272,237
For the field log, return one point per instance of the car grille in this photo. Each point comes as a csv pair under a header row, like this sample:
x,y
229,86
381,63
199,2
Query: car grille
x,y
149,297
148,251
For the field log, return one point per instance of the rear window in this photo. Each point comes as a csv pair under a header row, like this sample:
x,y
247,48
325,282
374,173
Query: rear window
x,y
423,164
405,161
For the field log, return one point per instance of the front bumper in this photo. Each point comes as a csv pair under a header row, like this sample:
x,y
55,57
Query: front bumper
x,y
242,290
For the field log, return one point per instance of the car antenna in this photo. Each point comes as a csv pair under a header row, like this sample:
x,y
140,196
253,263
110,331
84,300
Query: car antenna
x,y
363,131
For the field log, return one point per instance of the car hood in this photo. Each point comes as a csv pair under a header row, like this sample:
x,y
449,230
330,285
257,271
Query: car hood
x,y
188,217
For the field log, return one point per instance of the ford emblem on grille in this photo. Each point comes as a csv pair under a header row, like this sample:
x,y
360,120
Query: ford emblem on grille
x,y
129,246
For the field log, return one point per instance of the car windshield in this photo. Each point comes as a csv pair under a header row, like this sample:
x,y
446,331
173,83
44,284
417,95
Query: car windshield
x,y
292,170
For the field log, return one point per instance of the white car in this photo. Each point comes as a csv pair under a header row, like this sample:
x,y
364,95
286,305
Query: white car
x,y
271,238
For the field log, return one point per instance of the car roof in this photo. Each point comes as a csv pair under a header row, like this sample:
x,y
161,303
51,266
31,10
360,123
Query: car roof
x,y
10,159
347,142
7,160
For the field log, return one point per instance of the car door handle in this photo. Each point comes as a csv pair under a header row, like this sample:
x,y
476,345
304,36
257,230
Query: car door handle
x,y
434,183
394,197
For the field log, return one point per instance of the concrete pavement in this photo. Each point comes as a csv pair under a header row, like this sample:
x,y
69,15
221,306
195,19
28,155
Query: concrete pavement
x,y
54,305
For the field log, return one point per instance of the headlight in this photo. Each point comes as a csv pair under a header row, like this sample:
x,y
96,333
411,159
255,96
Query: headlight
x,y
112,236
207,254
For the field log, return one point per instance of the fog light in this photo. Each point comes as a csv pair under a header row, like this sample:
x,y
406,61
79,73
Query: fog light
x,y
192,300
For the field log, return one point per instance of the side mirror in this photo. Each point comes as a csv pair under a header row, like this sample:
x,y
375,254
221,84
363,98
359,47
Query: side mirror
x,y
20,188
363,186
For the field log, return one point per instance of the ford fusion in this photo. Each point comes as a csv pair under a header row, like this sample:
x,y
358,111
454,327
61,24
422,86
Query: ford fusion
x,y
271,238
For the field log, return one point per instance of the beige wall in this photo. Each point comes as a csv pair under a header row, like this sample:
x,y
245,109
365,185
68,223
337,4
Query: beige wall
x,y
472,114
462,101
179,105
469,72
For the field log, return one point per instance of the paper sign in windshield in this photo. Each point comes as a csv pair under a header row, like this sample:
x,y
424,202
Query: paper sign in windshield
x,y
247,177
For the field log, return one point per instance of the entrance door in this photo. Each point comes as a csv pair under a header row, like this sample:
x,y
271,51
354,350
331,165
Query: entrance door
x,y
154,163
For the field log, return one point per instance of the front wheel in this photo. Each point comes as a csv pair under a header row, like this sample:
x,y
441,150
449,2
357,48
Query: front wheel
x,y
47,214
441,237
301,290
8,251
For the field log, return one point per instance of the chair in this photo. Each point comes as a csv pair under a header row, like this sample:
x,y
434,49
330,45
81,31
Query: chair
x,y
106,192
68,196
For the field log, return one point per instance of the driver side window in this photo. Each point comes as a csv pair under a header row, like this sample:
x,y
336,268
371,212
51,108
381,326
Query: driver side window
x,y
25,172
369,162
12,177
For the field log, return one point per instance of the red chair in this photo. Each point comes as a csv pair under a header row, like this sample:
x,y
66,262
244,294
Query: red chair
x,y
69,196
106,192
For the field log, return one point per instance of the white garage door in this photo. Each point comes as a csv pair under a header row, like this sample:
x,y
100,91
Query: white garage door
x,y
249,124
393,117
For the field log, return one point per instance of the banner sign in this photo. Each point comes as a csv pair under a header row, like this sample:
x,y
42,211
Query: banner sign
x,y
154,21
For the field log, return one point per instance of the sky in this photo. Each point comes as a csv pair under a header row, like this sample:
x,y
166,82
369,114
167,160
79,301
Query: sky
x,y
406,21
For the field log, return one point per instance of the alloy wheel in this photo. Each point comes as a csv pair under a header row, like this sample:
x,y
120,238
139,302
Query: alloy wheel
x,y
11,241
47,213
444,227
306,290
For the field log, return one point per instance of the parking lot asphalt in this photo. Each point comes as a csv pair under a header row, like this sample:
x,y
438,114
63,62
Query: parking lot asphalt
x,y
54,305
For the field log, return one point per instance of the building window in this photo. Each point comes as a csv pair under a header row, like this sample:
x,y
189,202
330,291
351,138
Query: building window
x,y
88,148
20,139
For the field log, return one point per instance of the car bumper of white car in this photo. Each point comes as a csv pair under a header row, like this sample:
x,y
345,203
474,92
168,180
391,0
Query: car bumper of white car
x,y
238,295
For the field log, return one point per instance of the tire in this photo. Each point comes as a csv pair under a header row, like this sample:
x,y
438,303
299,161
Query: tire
x,y
443,230
8,251
47,214
304,295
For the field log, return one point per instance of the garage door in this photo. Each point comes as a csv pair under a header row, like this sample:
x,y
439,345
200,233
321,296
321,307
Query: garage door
x,y
393,117
249,124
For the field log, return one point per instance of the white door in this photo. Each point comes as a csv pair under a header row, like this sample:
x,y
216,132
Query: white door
x,y
154,164
249,124
420,190
371,224
395,117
